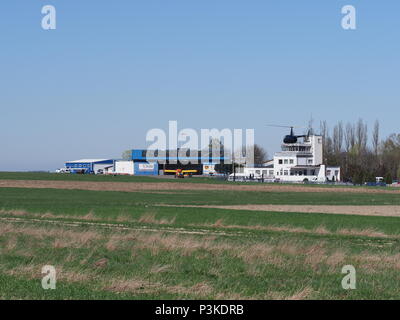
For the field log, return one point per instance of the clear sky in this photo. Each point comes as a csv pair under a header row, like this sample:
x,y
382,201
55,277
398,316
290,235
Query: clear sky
x,y
112,70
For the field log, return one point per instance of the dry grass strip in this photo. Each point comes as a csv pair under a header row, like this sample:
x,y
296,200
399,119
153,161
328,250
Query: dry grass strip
x,y
147,218
314,256
137,285
320,230
178,186
381,211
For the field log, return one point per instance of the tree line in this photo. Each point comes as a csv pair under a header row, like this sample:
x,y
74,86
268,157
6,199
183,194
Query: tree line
x,y
362,157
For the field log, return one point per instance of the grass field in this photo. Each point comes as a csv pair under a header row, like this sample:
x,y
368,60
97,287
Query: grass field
x,y
145,245
99,178
124,178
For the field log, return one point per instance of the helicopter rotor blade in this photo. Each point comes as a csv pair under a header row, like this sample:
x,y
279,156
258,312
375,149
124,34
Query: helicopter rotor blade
x,y
279,126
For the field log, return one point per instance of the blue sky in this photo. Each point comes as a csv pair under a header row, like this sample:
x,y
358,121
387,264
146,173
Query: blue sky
x,y
115,69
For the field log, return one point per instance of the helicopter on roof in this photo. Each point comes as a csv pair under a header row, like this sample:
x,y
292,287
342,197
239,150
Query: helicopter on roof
x,y
291,138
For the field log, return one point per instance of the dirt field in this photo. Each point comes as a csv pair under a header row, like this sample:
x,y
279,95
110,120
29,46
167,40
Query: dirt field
x,y
174,186
384,211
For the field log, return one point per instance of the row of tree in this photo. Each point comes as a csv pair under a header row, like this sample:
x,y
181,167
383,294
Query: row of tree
x,y
347,145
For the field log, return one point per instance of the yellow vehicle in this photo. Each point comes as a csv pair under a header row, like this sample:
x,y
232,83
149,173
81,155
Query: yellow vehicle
x,y
180,173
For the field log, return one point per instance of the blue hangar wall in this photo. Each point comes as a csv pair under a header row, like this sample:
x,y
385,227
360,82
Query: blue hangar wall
x,y
145,168
85,166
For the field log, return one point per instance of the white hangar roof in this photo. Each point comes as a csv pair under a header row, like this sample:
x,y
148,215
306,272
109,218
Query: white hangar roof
x,y
88,160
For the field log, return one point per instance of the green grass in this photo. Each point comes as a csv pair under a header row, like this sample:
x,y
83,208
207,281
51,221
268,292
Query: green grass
x,y
71,201
223,271
111,204
101,178
188,256
22,288
122,178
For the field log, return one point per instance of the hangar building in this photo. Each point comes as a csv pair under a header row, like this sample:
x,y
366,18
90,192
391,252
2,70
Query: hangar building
x,y
167,164
85,166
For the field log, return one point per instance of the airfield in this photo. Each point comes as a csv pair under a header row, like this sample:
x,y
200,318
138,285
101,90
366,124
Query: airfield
x,y
120,237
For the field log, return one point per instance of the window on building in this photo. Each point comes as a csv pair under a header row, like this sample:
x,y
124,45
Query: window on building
x,y
258,171
286,173
280,161
328,172
271,172
285,161
291,161
310,161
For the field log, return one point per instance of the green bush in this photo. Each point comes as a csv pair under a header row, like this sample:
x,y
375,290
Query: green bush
x,y
388,178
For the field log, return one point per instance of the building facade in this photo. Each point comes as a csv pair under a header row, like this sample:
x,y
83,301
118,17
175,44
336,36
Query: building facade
x,y
153,162
138,168
301,161
86,166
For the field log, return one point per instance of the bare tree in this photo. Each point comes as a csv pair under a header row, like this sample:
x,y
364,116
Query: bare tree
x,y
127,155
347,135
350,139
361,162
341,134
310,129
325,134
361,135
338,138
323,129
260,156
375,138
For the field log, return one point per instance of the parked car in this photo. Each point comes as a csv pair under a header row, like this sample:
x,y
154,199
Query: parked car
x,y
63,170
